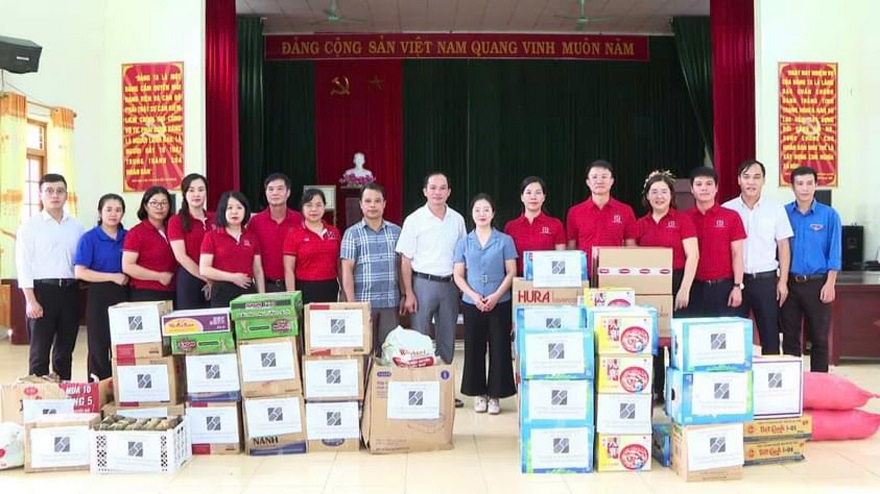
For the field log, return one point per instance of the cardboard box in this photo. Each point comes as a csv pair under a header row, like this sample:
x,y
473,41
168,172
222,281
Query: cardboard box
x,y
543,318
711,344
268,327
556,268
333,378
778,386
274,426
133,323
286,305
556,355
212,378
623,330
624,374
183,322
409,409
661,444
623,453
216,428
58,443
526,293
333,426
708,397
665,306
556,449
85,397
144,412
141,451
624,414
338,329
609,297
775,452
141,350
707,453
269,367
149,381
647,270
202,343
768,430
548,403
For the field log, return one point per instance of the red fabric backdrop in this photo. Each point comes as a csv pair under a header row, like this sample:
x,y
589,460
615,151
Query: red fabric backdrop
x,y
221,99
358,107
733,88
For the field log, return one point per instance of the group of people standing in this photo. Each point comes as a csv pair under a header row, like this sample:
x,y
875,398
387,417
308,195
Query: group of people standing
x,y
751,255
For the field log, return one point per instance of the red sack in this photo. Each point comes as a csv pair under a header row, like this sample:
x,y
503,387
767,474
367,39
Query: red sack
x,y
842,425
823,391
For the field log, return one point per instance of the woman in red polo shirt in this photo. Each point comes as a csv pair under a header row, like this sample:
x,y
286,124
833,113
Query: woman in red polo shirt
x,y
664,226
186,229
147,257
311,253
230,254
534,230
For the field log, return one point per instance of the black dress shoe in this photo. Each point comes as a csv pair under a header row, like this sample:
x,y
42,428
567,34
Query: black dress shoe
x,y
459,403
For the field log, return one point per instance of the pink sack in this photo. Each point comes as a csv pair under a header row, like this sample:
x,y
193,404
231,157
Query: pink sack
x,y
823,391
842,425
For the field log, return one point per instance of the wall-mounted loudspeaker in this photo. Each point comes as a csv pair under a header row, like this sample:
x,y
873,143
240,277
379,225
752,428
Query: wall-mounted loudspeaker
x,y
19,56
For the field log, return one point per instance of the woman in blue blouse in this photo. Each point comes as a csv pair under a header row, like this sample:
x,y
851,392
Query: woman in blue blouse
x,y
485,264
99,262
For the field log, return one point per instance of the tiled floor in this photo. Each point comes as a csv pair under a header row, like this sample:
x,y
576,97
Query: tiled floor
x,y
485,459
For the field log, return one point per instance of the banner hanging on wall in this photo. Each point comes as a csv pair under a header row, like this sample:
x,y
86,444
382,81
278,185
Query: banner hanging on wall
x,y
808,120
152,125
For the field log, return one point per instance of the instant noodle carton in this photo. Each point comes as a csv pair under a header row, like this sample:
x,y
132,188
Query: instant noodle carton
x,y
769,430
287,305
775,452
647,270
623,453
196,321
609,297
624,374
624,331
708,397
712,344
708,452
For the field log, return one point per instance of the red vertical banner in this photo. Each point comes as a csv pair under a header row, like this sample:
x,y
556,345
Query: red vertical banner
x,y
152,125
808,120
358,108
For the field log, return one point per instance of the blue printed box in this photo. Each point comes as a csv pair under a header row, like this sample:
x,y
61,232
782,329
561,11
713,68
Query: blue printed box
x,y
553,342
556,268
712,344
700,398
556,449
545,403
661,444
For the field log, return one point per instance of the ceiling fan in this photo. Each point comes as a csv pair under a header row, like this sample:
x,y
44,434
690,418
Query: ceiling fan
x,y
333,16
583,20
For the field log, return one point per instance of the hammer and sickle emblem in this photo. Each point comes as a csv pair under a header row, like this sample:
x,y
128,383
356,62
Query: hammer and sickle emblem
x,y
340,86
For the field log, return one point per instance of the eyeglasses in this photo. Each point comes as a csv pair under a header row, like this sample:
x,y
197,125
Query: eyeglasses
x,y
158,204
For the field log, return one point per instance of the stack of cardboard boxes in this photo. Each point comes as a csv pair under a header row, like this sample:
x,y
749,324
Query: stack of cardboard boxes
x,y
266,329
213,400
338,339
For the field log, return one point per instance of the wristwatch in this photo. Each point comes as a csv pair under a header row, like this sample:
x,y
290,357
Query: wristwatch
x,y
740,285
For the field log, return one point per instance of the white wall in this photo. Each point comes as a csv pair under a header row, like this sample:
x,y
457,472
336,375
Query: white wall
x,y
826,31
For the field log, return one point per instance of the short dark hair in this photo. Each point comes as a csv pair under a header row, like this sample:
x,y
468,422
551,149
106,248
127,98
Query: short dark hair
x,y
185,184
704,172
51,178
745,165
599,164
310,194
667,179
434,174
372,186
276,176
532,180
223,203
156,189
804,170
109,197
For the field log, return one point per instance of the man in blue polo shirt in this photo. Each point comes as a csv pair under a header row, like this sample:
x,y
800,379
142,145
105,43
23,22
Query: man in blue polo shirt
x,y
815,261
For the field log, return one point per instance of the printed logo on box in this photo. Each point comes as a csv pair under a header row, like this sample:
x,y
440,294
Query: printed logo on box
x,y
212,371
145,381
267,359
553,323
135,323
722,391
50,411
560,446
556,351
135,449
632,379
557,267
416,398
559,397
719,341
634,457
717,445
627,411
337,326
334,376
633,339
62,444
275,414
774,380
334,419
213,423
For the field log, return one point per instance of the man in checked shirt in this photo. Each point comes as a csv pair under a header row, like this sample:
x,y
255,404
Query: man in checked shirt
x,y
370,266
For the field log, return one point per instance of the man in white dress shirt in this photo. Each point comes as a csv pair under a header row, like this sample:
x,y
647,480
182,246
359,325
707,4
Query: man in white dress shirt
x,y
767,255
45,247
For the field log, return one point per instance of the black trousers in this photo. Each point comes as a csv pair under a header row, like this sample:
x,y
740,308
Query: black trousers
x,y
492,329
709,299
145,295
803,301
223,292
660,358
759,298
56,331
189,293
318,291
275,286
101,296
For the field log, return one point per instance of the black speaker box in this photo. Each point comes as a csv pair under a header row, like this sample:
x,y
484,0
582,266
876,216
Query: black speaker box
x,y
853,247
19,56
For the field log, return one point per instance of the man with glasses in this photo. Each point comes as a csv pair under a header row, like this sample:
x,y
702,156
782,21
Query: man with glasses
x,y
45,247
271,227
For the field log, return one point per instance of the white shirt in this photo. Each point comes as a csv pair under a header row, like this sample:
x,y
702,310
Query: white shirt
x,y
766,223
45,248
430,241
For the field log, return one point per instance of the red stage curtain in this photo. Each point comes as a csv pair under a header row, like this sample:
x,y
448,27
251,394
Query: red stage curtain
x,y
733,87
358,107
221,99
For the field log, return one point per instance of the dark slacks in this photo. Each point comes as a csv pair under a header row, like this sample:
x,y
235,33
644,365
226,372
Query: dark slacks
x,y
145,295
318,291
759,298
101,297
660,358
492,329
223,292
709,299
56,331
189,293
803,301
275,286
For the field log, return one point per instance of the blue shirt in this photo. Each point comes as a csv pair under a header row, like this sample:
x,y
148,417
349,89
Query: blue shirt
x,y
484,266
375,263
98,252
816,245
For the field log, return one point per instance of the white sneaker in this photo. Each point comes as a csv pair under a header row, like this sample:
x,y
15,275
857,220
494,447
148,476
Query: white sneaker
x,y
494,406
479,404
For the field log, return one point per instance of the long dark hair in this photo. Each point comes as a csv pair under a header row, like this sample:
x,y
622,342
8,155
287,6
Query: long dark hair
x,y
154,190
110,197
185,217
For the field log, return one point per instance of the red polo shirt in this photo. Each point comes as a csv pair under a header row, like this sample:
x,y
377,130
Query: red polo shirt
x,y
716,230
592,226
231,255
316,255
542,233
192,239
270,236
668,232
154,253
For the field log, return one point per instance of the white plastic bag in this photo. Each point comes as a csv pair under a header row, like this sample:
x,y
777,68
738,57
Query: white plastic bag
x,y
11,445
408,348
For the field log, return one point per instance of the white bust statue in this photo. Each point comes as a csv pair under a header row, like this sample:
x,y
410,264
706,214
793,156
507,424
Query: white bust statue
x,y
359,171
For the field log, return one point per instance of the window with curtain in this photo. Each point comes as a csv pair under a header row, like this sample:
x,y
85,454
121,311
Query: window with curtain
x,y
34,168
